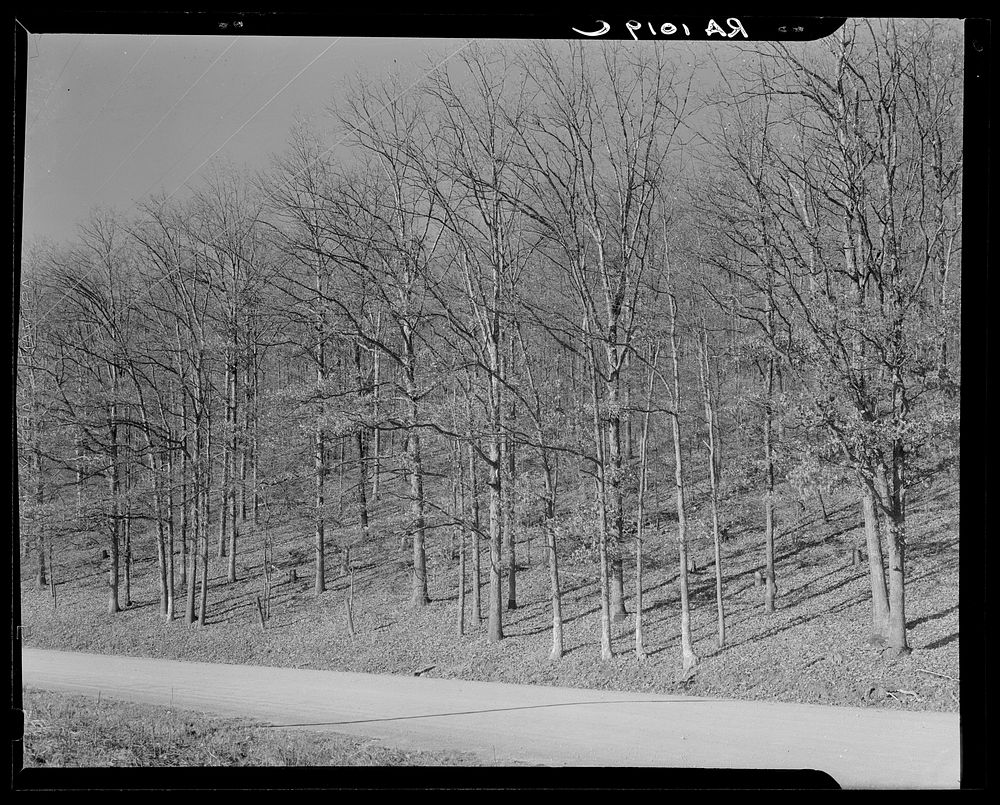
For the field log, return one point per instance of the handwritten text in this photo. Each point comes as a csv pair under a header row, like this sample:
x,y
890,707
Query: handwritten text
x,y
713,28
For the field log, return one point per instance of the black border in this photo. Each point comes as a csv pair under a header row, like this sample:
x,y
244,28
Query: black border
x,y
976,352
460,24
978,292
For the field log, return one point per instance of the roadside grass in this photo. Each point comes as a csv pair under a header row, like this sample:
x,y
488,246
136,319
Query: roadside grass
x,y
63,730
813,649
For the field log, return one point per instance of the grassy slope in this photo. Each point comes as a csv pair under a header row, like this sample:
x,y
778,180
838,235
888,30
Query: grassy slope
x,y
63,730
813,649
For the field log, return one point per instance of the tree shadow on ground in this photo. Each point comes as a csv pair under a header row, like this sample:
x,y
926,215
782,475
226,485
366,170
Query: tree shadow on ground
x,y
930,547
527,632
942,494
798,620
944,641
583,614
935,570
231,613
282,623
810,582
825,591
934,617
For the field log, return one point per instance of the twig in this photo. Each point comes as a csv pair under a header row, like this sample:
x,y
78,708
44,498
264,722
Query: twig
x,y
907,693
260,611
935,673
349,602
811,662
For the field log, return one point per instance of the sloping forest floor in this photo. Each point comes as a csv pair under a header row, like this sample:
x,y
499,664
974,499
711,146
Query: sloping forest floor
x,y
814,648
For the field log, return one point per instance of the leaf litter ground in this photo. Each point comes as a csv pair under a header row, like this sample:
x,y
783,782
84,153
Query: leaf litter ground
x,y
813,649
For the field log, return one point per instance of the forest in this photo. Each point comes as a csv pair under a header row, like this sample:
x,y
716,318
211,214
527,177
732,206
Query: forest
x,y
548,306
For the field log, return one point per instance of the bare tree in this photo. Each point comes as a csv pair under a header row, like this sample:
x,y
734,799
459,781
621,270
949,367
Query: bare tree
x,y
689,659
640,516
387,239
594,156
705,375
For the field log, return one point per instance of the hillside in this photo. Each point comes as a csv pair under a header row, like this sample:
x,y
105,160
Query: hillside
x,y
813,649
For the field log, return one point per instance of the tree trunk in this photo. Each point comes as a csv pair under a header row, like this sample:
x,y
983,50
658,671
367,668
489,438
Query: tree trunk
x,y
640,516
192,547
36,457
128,555
40,550
362,492
770,589
170,536
461,582
319,446
203,604
495,625
376,431
876,567
255,440
199,507
706,386
420,596
889,490
359,439
161,541
550,542
606,652
185,491
716,433
233,514
341,466
52,576
244,460
628,438
319,458
159,476
227,459
207,499
78,452
617,518
509,514
557,620
509,460
897,588
549,475
127,524
349,605
233,500
477,615
689,658
114,482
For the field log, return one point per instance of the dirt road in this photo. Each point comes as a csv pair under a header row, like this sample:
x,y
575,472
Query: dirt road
x,y
518,723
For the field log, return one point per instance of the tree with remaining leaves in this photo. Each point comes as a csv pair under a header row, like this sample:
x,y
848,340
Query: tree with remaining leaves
x,y
848,269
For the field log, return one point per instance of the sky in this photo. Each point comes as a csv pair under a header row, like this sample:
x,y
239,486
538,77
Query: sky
x,y
110,119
